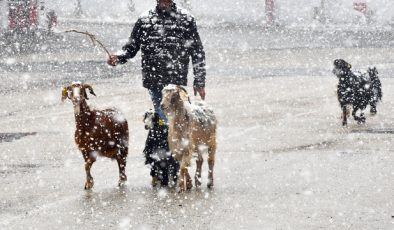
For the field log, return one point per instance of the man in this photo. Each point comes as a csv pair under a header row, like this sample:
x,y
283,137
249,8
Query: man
x,y
167,37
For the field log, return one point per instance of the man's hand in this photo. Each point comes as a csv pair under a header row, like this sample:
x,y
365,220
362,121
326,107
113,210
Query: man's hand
x,y
201,92
113,60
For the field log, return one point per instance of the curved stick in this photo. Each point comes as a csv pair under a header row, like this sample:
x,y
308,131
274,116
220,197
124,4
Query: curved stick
x,y
92,38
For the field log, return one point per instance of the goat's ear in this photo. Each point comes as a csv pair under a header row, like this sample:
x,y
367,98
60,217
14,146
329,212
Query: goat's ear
x,y
85,95
90,88
183,94
64,93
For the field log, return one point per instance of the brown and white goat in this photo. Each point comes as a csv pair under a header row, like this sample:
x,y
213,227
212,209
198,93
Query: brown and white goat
x,y
98,132
192,129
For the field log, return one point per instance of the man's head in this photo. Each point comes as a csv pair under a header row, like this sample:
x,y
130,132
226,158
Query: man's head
x,y
164,4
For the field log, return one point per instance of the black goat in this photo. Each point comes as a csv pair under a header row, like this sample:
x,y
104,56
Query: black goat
x,y
164,168
353,90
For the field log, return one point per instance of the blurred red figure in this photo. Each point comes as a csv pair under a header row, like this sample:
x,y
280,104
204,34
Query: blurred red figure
x,y
23,14
52,20
270,11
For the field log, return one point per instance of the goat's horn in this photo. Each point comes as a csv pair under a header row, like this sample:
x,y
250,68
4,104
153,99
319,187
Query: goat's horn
x,y
183,89
65,91
87,86
186,93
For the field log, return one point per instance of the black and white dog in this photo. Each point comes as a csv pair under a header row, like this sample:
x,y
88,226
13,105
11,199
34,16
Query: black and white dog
x,y
356,90
164,168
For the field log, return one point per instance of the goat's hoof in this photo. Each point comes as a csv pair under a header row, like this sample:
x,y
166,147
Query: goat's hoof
x,y
210,184
89,184
344,123
182,186
197,181
189,184
181,189
122,182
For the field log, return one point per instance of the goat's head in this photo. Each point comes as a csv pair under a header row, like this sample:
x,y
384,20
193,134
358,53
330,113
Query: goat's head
x,y
340,67
173,96
76,92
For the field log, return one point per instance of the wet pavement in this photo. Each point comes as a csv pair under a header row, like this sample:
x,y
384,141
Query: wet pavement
x,y
283,159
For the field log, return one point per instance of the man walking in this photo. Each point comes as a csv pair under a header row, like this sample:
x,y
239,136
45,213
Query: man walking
x,y
167,37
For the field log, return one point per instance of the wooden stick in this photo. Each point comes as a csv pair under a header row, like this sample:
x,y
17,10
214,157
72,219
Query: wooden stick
x,y
92,38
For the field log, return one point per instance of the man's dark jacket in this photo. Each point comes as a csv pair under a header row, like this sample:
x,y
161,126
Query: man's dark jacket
x,y
167,39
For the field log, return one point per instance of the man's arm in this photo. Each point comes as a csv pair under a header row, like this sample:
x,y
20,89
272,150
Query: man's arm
x,y
198,60
130,49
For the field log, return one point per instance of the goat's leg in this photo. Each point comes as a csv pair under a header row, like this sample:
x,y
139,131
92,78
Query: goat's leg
x,y
121,159
211,164
182,178
189,181
185,181
89,160
197,177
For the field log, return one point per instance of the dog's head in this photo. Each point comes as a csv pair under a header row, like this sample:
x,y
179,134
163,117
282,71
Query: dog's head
x,y
151,119
373,73
341,66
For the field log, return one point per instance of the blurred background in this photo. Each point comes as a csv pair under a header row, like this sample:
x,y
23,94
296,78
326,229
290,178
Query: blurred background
x,y
278,12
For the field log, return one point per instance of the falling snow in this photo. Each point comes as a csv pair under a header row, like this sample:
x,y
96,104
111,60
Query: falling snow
x,y
284,160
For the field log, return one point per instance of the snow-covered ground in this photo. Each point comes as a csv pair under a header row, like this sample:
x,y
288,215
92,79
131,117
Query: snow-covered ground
x,y
283,161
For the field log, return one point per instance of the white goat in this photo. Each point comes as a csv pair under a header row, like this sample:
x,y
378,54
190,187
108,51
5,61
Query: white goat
x,y
192,129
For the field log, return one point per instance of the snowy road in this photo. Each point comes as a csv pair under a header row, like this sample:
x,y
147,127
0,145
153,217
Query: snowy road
x,y
283,162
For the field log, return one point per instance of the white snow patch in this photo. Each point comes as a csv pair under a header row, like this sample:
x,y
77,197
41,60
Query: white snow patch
x,y
185,142
118,117
162,194
125,223
10,61
26,77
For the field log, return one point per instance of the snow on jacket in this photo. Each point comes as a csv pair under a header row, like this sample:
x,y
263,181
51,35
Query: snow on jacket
x,y
167,40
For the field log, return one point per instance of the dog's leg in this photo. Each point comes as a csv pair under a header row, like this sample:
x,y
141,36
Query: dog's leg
x,y
362,118
354,113
344,115
373,107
